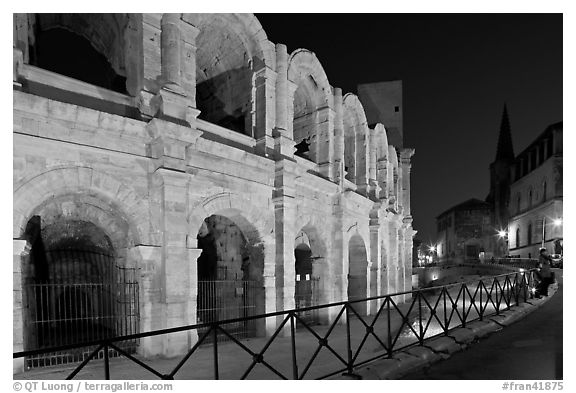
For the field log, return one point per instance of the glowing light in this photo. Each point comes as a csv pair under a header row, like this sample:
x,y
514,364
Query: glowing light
x,y
558,221
432,248
502,233
521,270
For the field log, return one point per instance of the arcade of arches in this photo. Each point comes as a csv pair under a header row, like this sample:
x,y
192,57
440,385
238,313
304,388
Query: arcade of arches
x,y
173,169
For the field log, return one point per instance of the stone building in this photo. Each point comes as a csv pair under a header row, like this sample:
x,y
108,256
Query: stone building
x,y
158,154
524,204
464,232
536,196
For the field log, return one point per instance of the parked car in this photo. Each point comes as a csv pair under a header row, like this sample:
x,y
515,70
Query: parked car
x,y
556,260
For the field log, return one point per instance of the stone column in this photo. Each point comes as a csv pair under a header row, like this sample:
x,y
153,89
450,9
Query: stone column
x,y
381,178
393,268
151,292
134,50
171,50
188,62
264,106
384,255
372,148
362,158
325,141
283,137
171,101
20,253
282,279
376,264
400,273
405,166
339,171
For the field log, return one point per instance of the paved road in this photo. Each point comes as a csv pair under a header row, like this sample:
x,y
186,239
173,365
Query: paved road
x,y
529,349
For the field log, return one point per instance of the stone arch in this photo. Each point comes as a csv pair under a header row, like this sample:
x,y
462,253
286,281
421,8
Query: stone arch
x,y
356,136
358,265
82,226
230,49
310,104
35,190
381,142
257,230
249,218
106,33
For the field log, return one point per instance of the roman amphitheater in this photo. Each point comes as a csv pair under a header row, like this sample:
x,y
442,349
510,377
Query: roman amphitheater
x,y
195,171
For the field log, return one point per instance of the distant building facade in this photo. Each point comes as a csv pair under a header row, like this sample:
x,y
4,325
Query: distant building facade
x,y
536,196
523,209
464,231
382,102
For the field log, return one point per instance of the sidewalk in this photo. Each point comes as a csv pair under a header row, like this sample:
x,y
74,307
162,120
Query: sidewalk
x,y
529,349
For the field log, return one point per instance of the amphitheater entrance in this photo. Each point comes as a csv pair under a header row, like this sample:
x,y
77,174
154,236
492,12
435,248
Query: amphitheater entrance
x,y
357,272
75,291
228,272
307,286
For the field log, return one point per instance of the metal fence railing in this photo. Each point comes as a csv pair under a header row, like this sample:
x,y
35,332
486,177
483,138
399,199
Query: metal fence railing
x,y
346,340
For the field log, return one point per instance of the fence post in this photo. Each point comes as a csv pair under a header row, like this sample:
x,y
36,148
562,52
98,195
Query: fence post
x,y
106,363
348,340
293,340
215,332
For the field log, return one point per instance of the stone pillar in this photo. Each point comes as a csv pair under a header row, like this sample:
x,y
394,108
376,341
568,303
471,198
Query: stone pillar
x,y
283,278
20,35
134,60
151,292
400,273
384,255
20,253
171,101
188,64
171,50
381,178
264,106
325,141
339,171
283,137
405,166
362,158
376,264
372,149
393,268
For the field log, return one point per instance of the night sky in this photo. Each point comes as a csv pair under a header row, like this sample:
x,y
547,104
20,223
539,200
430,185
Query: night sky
x,y
457,71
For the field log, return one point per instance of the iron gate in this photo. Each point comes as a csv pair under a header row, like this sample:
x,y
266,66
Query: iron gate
x,y
82,296
306,295
227,299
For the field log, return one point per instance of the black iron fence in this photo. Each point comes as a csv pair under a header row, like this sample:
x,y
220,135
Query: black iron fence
x,y
347,339
220,300
83,297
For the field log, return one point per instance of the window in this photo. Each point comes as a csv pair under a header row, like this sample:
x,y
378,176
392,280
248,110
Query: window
x,y
396,109
517,237
530,198
544,191
529,237
518,202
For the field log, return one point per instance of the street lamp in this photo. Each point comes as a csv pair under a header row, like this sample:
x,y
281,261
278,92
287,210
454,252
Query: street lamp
x,y
557,222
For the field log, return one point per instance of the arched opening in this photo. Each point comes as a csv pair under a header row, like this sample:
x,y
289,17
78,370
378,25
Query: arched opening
x,y
529,234
229,276
223,76
306,293
66,53
75,290
87,47
357,272
305,119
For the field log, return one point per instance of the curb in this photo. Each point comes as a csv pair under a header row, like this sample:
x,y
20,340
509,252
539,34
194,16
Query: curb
x,y
439,348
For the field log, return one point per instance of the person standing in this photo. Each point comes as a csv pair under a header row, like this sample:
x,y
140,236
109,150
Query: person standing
x,y
544,273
